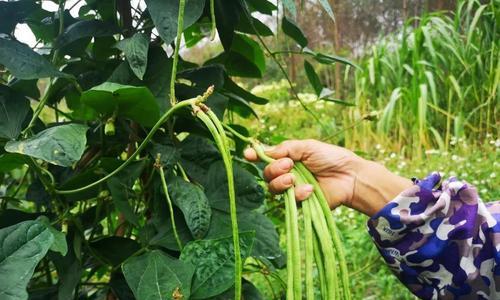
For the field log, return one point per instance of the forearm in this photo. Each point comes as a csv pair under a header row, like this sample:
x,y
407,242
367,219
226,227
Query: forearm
x,y
375,186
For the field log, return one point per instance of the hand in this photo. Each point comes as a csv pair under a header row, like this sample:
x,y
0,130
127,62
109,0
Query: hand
x,y
344,177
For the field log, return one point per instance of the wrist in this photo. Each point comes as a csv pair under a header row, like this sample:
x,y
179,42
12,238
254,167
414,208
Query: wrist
x,y
375,186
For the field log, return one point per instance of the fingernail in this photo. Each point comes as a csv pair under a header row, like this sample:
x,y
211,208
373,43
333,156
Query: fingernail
x,y
288,180
285,164
308,188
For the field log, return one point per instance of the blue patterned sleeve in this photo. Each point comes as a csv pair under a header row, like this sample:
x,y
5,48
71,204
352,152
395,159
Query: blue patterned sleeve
x,y
441,240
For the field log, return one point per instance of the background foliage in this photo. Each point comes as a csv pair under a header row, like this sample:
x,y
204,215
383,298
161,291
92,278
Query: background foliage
x,y
79,99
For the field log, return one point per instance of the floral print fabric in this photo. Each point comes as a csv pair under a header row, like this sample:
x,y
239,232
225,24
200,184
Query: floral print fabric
x,y
441,240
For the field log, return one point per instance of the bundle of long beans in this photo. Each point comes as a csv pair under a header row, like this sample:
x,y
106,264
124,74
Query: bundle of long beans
x,y
322,245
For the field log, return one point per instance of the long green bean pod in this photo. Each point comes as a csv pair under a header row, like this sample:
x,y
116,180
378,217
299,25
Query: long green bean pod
x,y
217,131
149,136
309,250
289,253
318,258
169,201
326,244
332,228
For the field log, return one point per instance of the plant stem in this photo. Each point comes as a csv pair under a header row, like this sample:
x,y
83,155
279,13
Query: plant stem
x,y
180,28
213,30
141,147
214,126
169,202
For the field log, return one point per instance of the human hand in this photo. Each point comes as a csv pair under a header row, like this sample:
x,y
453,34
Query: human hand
x,y
344,177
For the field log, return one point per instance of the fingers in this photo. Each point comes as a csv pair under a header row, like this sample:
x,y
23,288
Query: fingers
x,y
294,149
278,168
302,192
250,154
281,183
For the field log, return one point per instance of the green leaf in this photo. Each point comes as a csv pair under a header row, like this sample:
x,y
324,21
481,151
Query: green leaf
x,y
157,276
135,103
59,245
60,145
266,243
164,16
169,155
290,6
22,246
120,187
246,27
327,8
250,50
214,263
205,76
85,29
14,108
329,59
136,52
227,17
192,201
14,12
249,194
291,29
234,88
262,6
313,78
69,268
25,63
114,250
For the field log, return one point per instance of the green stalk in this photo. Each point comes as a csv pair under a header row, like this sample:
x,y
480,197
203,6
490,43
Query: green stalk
x,y
141,147
323,203
215,128
212,16
169,202
180,28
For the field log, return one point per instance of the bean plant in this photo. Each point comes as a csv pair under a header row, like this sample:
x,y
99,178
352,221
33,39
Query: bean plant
x,y
122,179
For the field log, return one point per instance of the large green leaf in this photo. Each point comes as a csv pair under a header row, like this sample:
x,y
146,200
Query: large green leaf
x,y
25,63
85,29
313,78
135,49
249,194
136,103
164,16
291,29
22,246
120,187
157,276
234,88
266,243
250,50
245,26
214,263
60,145
14,12
262,6
14,108
227,16
191,199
